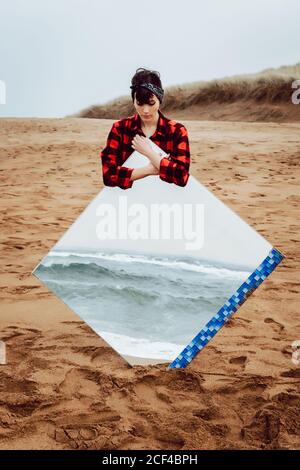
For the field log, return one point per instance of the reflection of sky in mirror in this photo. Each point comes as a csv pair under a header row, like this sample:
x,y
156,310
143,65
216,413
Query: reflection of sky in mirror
x,y
61,56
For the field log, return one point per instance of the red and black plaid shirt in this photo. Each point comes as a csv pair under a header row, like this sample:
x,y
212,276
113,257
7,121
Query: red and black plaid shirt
x,y
170,136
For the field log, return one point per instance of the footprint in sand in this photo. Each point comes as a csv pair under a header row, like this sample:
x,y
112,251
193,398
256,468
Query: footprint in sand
x,y
293,373
263,429
82,437
169,437
239,361
278,327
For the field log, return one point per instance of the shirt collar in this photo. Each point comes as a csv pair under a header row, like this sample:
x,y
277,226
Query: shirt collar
x,y
161,124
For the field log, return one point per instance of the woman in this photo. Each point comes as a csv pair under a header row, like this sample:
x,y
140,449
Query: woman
x,y
131,133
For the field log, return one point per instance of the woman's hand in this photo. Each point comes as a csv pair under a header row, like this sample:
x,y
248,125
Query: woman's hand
x,y
141,145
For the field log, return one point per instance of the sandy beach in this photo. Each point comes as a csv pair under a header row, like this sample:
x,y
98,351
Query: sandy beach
x,y
64,387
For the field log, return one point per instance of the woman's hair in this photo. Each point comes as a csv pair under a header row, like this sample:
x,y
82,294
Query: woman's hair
x,y
141,76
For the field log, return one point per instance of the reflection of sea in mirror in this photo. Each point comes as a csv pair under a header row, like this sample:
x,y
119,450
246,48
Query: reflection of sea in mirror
x,y
145,307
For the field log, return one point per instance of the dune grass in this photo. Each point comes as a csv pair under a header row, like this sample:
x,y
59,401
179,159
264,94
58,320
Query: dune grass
x,y
270,88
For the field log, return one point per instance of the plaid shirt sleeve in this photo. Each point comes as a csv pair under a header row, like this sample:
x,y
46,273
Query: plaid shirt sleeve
x,y
113,173
175,168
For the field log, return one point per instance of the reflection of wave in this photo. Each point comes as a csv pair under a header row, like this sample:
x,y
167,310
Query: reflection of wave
x,y
141,295
182,263
151,305
142,347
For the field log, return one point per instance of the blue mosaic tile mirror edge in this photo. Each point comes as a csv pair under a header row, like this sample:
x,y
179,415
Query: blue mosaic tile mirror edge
x,y
226,311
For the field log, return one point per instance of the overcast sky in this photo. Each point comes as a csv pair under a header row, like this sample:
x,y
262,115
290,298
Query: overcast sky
x,y
59,56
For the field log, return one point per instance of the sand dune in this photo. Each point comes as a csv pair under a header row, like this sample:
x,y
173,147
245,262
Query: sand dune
x,y
262,97
63,387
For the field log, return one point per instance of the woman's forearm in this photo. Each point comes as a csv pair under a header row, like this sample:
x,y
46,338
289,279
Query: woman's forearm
x,y
139,173
155,158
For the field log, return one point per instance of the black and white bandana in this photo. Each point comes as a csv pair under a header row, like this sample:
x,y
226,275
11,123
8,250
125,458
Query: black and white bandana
x,y
157,91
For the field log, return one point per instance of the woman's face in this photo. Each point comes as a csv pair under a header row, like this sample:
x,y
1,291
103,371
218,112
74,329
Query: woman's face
x,y
147,111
